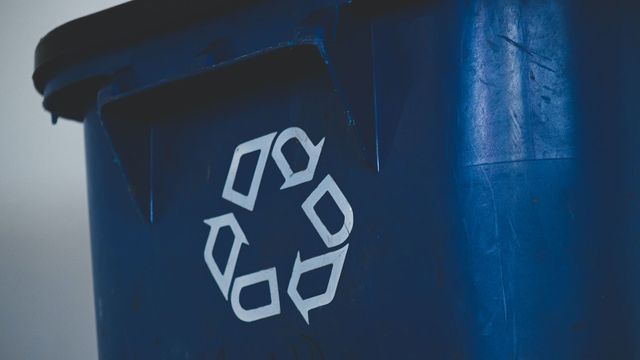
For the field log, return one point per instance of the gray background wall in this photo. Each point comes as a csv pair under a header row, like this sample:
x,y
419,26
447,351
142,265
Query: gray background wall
x,y
46,298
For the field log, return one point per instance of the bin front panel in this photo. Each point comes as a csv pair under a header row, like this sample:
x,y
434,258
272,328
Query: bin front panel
x,y
350,179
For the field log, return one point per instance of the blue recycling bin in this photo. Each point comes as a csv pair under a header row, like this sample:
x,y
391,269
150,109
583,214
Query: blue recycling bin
x,y
345,179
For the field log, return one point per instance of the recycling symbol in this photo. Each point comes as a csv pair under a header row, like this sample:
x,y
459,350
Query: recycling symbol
x,y
333,241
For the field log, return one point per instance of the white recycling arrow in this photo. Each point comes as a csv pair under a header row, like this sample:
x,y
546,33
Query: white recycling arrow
x,y
247,201
223,279
291,178
271,309
336,260
328,185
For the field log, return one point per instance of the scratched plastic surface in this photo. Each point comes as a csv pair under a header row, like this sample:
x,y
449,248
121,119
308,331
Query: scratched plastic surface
x,y
489,150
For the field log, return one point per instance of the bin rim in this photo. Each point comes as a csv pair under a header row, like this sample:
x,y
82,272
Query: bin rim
x,y
136,21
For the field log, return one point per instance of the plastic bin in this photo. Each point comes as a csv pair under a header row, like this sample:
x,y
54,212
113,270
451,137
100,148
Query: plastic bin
x,y
358,179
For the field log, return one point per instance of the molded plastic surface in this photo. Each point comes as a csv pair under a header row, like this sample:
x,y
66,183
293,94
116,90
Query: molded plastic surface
x,y
412,179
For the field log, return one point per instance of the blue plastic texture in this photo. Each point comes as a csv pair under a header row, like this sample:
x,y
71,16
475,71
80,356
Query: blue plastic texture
x,y
487,153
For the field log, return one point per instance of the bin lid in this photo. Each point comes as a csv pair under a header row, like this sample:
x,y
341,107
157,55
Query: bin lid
x,y
119,27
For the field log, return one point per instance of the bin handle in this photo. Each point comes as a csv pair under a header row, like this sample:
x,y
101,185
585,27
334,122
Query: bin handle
x,y
343,39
